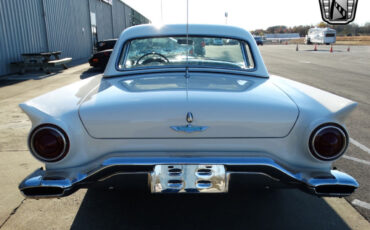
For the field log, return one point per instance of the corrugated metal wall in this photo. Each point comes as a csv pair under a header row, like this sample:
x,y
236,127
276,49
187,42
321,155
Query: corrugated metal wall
x,y
128,16
103,19
68,27
119,19
33,26
22,30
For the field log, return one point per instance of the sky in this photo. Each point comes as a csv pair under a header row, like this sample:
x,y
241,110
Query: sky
x,y
248,14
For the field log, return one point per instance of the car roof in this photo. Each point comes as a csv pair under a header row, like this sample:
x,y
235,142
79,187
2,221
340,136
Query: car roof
x,y
149,30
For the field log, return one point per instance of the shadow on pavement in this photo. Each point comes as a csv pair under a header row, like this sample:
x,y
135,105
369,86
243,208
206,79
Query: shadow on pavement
x,y
257,209
14,79
91,72
36,74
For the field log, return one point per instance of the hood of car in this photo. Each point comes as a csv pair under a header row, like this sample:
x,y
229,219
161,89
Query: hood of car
x,y
201,106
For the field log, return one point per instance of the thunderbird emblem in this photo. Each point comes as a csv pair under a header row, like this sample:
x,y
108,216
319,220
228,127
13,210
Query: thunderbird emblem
x,y
189,128
338,11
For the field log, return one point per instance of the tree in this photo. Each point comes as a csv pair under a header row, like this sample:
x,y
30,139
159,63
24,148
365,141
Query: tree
x,y
342,30
322,25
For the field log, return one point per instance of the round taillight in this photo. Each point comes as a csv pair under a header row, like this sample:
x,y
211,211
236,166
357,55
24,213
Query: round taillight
x,y
328,142
49,143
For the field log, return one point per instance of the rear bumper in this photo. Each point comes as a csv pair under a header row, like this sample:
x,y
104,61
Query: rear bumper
x,y
49,184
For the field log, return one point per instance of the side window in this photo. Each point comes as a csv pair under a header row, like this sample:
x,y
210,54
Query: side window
x,y
123,56
248,56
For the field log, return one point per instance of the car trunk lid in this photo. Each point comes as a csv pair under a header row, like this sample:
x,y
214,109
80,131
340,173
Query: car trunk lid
x,y
150,106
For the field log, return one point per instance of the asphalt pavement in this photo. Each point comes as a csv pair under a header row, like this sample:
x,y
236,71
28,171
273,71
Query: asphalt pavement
x,y
346,74
340,72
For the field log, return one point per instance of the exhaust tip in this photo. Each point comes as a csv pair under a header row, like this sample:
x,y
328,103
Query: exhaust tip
x,y
335,190
43,192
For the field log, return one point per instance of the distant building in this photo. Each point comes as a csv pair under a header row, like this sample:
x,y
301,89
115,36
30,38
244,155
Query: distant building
x,y
70,26
282,36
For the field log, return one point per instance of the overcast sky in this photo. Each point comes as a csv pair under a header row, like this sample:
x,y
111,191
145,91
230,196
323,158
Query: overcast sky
x,y
249,14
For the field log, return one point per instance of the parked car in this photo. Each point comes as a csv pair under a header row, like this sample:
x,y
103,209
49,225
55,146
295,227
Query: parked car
x,y
101,58
218,41
259,40
188,123
231,42
106,44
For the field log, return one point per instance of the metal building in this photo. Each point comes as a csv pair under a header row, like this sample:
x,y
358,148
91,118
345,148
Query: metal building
x,y
70,26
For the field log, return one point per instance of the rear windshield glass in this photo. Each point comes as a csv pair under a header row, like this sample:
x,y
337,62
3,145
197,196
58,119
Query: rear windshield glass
x,y
180,51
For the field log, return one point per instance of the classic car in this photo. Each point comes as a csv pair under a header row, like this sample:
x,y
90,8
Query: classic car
x,y
188,123
100,58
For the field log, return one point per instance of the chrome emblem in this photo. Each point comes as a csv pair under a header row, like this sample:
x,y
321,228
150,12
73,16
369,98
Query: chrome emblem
x,y
338,11
189,117
189,128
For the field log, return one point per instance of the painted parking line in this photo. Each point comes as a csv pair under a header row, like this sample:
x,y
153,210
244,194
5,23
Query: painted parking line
x,y
359,145
361,204
357,160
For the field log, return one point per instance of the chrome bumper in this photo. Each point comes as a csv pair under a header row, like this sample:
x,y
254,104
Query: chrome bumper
x,y
56,183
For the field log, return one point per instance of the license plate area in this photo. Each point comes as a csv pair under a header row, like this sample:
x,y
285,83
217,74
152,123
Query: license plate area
x,y
189,179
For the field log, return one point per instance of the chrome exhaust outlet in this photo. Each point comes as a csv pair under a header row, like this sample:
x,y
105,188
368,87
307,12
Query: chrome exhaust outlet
x,y
43,192
334,190
40,185
339,184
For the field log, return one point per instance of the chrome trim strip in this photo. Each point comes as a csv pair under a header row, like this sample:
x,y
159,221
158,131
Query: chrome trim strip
x,y
183,69
70,182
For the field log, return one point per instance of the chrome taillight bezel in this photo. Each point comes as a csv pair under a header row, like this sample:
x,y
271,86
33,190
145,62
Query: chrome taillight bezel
x,y
320,128
56,129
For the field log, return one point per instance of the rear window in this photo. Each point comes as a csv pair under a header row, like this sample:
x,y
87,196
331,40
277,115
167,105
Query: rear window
x,y
180,51
330,35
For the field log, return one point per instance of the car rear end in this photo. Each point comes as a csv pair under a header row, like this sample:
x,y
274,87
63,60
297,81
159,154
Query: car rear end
x,y
188,128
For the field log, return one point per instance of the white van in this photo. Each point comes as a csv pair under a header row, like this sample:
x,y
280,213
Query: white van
x,y
320,36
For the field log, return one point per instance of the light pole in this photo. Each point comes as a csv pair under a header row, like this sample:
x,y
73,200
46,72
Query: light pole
x,y
226,15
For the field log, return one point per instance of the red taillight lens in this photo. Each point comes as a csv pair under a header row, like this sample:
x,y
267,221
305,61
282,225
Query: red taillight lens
x,y
95,60
49,143
328,142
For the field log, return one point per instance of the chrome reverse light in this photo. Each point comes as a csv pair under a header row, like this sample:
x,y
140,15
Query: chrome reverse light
x,y
49,143
328,142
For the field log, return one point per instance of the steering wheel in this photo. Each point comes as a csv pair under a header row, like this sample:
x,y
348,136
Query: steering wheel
x,y
161,58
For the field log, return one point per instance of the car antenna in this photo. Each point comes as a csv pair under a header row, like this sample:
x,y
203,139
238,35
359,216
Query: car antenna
x,y
187,40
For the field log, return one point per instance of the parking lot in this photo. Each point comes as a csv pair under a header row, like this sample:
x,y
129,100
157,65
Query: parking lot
x,y
344,73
